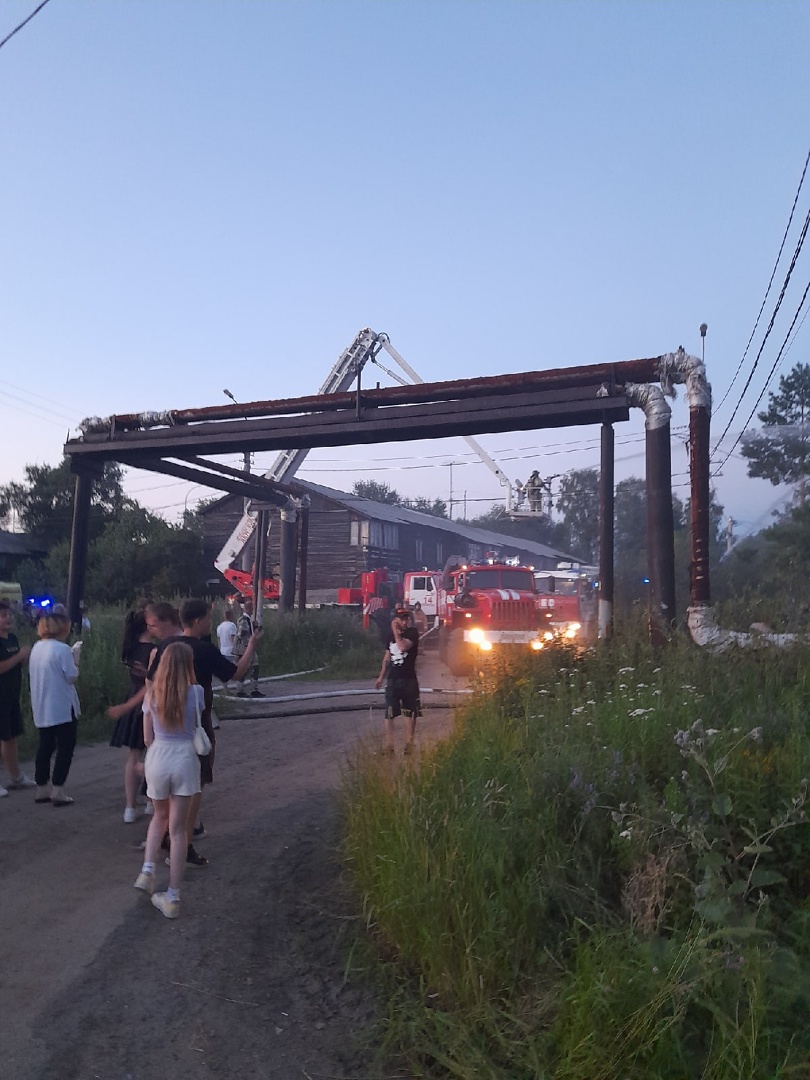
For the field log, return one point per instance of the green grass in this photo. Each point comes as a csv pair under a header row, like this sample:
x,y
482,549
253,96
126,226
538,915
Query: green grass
x,y
564,890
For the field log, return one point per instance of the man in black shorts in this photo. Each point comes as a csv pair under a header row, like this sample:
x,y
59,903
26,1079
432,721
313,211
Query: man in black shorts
x,y
12,658
399,674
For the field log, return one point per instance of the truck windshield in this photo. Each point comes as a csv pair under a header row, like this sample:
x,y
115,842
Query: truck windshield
x,y
558,585
501,579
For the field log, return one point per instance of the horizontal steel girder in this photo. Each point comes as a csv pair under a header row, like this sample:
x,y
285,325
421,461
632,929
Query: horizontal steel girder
x,y
522,410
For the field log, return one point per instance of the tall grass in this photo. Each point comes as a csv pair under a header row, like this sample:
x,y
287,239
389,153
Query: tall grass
x,y
602,874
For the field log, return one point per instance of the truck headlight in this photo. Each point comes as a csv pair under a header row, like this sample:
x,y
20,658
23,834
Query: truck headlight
x,y
570,633
477,635
485,646
548,636
537,645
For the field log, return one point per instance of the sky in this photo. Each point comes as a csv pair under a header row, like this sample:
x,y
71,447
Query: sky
x,y
210,194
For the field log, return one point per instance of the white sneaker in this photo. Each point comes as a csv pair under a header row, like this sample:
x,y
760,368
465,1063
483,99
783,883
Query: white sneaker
x,y
3,793
149,809
129,815
22,781
145,882
169,908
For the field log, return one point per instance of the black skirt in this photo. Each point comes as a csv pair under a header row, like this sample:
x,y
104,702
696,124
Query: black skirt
x,y
128,730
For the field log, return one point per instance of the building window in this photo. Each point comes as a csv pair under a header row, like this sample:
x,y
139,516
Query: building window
x,y
439,553
358,533
420,553
384,535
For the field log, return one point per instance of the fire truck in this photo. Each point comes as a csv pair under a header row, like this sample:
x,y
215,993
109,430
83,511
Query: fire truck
x,y
479,608
566,598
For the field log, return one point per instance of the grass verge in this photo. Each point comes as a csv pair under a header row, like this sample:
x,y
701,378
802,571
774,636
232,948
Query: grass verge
x,y
604,873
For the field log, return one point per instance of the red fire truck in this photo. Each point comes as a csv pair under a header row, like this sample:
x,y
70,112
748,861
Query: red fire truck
x,y
479,608
566,598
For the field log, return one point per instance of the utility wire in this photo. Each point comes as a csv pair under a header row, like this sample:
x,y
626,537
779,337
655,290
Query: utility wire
x,y
770,376
770,283
791,268
17,29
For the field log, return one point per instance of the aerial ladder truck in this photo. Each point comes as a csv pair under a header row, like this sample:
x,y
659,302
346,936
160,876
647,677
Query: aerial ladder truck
x,y
366,347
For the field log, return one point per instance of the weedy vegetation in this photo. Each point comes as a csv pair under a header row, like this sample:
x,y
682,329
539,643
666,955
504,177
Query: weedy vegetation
x,y
602,874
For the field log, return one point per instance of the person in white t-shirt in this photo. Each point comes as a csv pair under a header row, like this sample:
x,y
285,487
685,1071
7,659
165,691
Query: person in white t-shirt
x,y
226,634
53,671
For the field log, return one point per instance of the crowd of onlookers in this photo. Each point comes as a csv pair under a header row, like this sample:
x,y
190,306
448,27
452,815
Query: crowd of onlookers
x,y
166,724
172,663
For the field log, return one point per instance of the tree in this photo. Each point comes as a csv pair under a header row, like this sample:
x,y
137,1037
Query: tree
x,y
44,502
578,505
377,490
435,507
781,451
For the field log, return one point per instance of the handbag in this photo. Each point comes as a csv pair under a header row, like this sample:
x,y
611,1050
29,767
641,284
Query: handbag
x,y
202,744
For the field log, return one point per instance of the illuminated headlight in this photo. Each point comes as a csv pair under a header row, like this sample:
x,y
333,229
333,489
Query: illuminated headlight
x,y
485,646
477,635
548,636
575,626
570,632
537,645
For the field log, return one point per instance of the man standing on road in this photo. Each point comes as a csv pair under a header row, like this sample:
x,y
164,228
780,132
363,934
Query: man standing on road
x,y
399,674
12,658
245,627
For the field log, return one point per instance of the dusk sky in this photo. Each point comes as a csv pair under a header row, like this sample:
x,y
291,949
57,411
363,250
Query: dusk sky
x,y
200,194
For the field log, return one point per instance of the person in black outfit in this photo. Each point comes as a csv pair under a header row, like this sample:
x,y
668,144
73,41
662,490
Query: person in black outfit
x,y
398,672
136,649
12,658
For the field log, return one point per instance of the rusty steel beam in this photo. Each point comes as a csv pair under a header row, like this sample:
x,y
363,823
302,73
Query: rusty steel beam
x,y
612,375
255,488
522,411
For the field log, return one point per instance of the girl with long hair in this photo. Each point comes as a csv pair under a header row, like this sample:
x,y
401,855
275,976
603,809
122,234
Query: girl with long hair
x,y
172,704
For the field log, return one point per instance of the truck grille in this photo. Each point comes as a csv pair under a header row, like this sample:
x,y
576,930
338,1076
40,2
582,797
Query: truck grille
x,y
514,614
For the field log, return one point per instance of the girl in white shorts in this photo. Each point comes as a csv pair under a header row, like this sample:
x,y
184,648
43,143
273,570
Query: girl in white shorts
x,y
172,768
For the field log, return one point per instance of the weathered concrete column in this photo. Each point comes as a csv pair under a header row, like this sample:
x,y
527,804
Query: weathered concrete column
x,y
286,599
660,534
699,505
262,520
79,538
660,523
303,554
606,534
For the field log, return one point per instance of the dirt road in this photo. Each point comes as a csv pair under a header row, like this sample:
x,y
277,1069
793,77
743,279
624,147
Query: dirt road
x,y
250,981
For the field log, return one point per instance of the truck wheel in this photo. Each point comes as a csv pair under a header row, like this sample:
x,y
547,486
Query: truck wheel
x,y
459,654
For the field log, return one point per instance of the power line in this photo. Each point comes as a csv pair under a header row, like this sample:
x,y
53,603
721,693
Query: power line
x,y
791,268
770,376
17,29
770,283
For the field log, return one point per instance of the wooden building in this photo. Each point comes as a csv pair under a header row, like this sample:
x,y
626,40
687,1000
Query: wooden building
x,y
349,534
14,549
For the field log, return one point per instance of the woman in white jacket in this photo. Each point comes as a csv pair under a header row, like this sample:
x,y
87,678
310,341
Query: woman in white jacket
x,y
55,704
